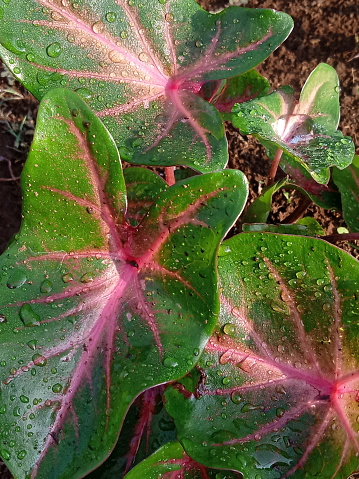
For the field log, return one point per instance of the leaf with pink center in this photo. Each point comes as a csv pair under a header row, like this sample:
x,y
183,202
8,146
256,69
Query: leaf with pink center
x,y
140,65
306,131
275,392
171,462
94,310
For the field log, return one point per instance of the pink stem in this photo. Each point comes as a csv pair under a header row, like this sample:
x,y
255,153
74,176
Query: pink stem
x,y
274,166
170,175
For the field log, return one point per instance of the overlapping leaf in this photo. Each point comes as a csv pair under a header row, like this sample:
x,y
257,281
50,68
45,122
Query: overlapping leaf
x,y
348,184
276,390
171,462
306,131
140,65
94,310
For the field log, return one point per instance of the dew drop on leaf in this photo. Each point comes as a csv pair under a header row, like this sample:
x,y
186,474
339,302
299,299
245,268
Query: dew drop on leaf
x,y
236,398
30,57
170,362
28,316
116,57
3,409
111,17
169,17
16,280
87,278
39,360
54,50
24,399
46,286
32,344
67,278
57,388
98,27
3,318
5,454
21,454
229,329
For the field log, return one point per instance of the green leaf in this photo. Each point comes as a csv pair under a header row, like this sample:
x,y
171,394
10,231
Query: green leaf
x,y
291,229
275,392
93,310
306,131
348,183
312,225
140,65
258,211
223,94
171,459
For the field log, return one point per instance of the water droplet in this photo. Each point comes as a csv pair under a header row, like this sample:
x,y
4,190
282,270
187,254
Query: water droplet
x,y
143,57
57,388
3,318
162,2
229,329
54,50
5,454
326,307
250,407
116,57
39,360
3,409
111,17
21,454
67,278
16,411
226,381
32,344
98,27
30,57
16,280
196,352
87,278
124,34
169,17
170,362
84,93
46,286
24,399
280,412
28,316
236,398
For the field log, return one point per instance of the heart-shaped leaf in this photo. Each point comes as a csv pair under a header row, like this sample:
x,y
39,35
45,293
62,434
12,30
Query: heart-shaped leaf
x,y
171,461
140,65
93,310
276,391
348,183
306,131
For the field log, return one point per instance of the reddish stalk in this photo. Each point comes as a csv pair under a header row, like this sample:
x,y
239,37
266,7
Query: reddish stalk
x,y
274,166
341,237
170,175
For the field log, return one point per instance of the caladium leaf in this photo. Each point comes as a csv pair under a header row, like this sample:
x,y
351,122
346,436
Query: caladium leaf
x,y
276,391
223,94
147,427
171,462
307,130
348,183
93,310
140,66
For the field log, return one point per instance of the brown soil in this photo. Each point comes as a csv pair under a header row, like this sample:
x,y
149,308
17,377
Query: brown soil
x,y
325,31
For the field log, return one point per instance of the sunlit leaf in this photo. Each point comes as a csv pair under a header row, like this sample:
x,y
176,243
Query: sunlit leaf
x,y
276,391
307,130
140,65
348,183
94,310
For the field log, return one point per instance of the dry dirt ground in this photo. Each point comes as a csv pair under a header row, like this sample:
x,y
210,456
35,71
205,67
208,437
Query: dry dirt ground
x,y
325,31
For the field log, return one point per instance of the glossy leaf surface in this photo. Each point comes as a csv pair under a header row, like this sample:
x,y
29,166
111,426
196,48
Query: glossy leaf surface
x,y
171,462
276,391
348,183
302,229
223,94
140,66
93,310
306,131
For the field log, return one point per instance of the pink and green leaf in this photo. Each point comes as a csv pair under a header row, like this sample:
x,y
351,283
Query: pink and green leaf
x,y
140,65
94,310
171,462
307,130
275,392
348,183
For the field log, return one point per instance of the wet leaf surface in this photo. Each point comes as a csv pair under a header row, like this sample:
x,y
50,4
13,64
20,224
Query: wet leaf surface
x,y
93,310
348,183
140,66
307,130
275,393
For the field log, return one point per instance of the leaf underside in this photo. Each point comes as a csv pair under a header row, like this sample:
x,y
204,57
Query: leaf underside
x,y
94,310
276,391
140,66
